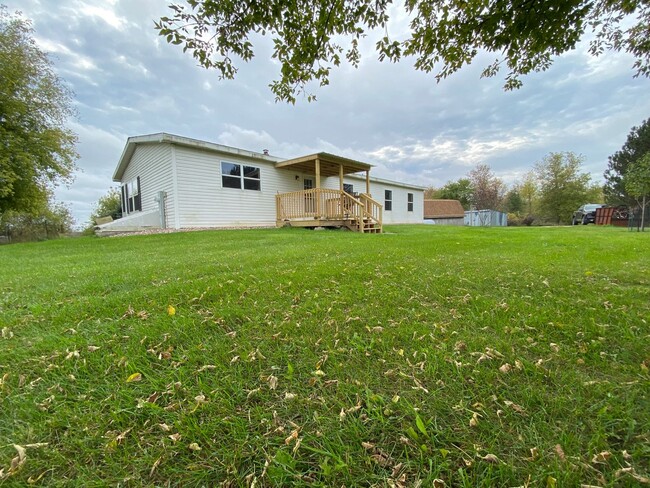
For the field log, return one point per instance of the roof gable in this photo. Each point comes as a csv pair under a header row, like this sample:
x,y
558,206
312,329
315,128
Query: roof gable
x,y
163,137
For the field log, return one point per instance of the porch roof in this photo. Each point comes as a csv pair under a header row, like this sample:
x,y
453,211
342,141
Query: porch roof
x,y
329,164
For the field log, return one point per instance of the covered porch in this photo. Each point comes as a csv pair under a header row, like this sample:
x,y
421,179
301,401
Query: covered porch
x,y
327,207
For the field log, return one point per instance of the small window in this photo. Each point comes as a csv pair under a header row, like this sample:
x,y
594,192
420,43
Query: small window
x,y
388,200
348,188
409,203
238,176
131,198
251,178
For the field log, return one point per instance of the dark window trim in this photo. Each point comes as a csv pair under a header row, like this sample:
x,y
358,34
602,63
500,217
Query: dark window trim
x,y
388,200
409,202
132,203
250,183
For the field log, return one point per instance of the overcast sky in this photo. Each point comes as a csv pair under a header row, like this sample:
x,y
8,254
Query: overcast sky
x,y
128,81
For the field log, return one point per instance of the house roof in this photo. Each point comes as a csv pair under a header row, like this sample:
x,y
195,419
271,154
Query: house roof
x,y
437,209
329,164
163,137
388,182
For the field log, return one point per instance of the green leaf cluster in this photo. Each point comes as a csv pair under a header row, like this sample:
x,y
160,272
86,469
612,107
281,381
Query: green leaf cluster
x,y
636,146
37,151
524,35
562,187
637,178
109,205
460,190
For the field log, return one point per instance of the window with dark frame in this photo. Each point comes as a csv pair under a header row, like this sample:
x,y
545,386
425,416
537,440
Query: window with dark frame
x,y
409,203
348,188
388,200
131,196
240,176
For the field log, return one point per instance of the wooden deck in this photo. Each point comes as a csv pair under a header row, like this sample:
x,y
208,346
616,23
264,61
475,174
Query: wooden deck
x,y
321,207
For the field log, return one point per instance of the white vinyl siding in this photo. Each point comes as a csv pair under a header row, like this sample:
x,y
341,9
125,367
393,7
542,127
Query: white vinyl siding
x,y
203,202
399,214
152,164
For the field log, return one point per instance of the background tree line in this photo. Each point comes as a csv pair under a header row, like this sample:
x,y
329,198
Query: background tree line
x,y
556,186
37,150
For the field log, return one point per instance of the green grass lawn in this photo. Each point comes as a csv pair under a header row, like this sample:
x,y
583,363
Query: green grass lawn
x,y
475,357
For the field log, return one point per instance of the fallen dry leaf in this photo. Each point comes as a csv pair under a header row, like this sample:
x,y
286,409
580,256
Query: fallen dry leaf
x,y
534,454
16,463
515,407
601,457
473,422
155,465
505,368
297,445
273,382
134,377
206,367
342,415
32,480
460,346
381,458
293,436
560,452
194,447
72,354
93,348
630,472
175,437
490,458
256,355
367,445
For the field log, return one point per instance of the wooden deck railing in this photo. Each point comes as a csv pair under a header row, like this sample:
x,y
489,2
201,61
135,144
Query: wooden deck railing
x,y
373,210
327,204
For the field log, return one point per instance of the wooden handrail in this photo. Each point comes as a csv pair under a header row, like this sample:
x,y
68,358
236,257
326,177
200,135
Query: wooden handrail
x,y
328,204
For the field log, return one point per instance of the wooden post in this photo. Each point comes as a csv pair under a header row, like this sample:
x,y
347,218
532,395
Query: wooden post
x,y
368,182
342,199
317,170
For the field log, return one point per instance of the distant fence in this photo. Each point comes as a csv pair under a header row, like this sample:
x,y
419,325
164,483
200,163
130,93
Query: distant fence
x,y
486,218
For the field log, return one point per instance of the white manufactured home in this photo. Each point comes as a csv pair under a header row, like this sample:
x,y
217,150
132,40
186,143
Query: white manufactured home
x,y
169,181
